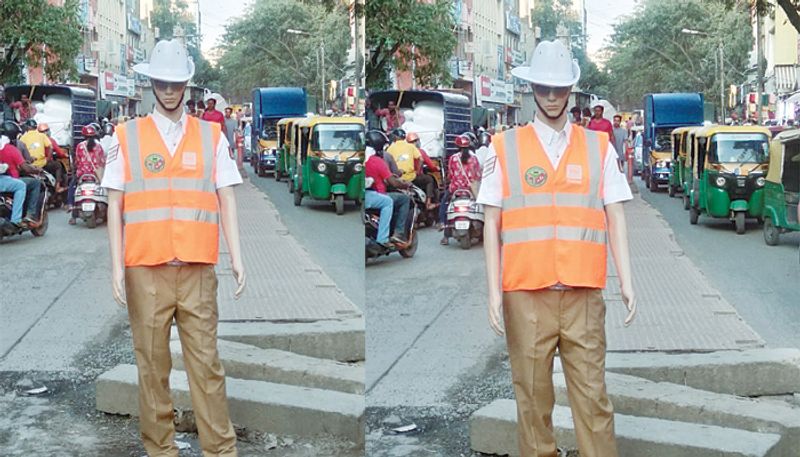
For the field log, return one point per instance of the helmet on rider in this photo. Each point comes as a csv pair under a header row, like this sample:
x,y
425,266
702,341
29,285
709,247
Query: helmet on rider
x,y
28,125
11,130
412,137
377,140
473,140
462,141
89,130
108,129
398,134
485,138
44,128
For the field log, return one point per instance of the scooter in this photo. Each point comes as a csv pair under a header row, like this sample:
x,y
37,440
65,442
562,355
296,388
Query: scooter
x,y
464,219
41,223
372,219
91,201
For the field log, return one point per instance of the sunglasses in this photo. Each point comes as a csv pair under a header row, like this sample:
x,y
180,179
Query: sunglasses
x,y
545,91
163,85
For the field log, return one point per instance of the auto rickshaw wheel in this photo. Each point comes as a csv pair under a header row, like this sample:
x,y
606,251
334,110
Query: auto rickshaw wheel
x,y
298,197
277,174
738,220
694,215
653,184
338,202
685,202
290,183
771,233
412,247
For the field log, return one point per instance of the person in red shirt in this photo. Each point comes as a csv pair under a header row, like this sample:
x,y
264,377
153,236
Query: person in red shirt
x,y
10,155
212,115
90,159
376,169
601,124
394,118
25,110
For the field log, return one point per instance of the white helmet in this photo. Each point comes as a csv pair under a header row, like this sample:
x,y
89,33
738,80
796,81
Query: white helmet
x,y
551,65
169,61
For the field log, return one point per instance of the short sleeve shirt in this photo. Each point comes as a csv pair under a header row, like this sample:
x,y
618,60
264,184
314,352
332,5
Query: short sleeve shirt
x,y
376,169
615,185
405,154
11,155
172,133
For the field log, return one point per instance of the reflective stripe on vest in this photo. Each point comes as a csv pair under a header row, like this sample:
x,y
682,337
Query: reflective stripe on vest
x,y
553,226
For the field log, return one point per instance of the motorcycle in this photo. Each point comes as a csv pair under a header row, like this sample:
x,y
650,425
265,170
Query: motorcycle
x,y
91,201
46,180
464,219
372,219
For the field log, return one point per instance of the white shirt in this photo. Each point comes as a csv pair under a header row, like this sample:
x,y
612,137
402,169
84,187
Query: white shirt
x,y
615,185
171,132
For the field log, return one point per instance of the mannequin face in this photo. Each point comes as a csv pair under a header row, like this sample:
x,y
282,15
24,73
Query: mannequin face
x,y
552,100
169,94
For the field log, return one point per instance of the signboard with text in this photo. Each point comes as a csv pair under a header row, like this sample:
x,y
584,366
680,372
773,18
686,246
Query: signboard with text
x,y
494,90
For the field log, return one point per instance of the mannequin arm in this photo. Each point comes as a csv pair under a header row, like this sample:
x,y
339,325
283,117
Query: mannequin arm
x,y
491,249
115,241
230,226
618,239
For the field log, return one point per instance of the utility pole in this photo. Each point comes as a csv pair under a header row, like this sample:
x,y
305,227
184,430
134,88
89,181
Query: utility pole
x,y
721,83
760,75
322,52
359,58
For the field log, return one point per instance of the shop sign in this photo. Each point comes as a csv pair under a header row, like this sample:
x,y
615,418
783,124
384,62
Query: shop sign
x,y
513,24
517,58
116,84
495,90
465,68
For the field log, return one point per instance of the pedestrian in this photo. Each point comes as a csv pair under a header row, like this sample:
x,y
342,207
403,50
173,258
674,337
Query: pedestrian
x,y
6,113
587,116
600,124
620,135
191,108
170,180
212,115
230,127
392,115
201,108
546,225
576,115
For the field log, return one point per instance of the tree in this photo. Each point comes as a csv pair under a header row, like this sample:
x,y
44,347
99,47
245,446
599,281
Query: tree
x,y
650,53
33,31
790,7
402,32
549,16
259,51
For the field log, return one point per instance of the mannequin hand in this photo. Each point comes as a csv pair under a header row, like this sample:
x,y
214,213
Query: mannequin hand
x,y
118,286
495,314
238,274
629,299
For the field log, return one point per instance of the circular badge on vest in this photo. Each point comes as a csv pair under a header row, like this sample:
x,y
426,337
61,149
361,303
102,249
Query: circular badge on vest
x,y
536,176
154,163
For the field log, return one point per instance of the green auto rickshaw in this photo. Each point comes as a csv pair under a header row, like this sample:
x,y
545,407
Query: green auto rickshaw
x,y
729,168
284,127
676,178
329,160
782,189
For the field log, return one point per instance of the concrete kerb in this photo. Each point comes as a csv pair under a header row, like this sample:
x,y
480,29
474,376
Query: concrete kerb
x,y
263,406
244,361
493,431
640,397
341,340
746,373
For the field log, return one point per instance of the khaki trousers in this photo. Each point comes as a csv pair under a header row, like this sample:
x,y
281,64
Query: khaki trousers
x,y
538,322
188,294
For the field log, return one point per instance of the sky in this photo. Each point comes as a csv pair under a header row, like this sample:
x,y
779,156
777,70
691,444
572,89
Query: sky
x,y
601,16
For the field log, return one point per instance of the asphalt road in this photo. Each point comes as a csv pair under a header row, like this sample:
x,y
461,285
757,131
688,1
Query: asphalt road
x,y
335,242
762,282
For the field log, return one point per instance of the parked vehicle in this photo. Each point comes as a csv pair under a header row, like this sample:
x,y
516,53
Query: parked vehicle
x,y
91,201
330,160
270,105
637,153
464,219
41,218
729,170
662,114
680,147
284,145
782,188
372,218
690,144
267,155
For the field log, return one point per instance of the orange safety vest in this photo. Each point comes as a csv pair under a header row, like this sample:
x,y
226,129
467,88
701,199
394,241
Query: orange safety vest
x,y
553,225
170,203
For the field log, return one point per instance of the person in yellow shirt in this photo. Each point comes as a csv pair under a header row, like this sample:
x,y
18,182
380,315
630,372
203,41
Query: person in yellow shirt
x,y
409,160
38,144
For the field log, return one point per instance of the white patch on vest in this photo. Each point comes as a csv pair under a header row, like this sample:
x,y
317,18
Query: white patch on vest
x,y
574,172
190,160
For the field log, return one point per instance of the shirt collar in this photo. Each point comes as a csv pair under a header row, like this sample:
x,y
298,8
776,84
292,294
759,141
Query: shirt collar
x,y
549,135
164,124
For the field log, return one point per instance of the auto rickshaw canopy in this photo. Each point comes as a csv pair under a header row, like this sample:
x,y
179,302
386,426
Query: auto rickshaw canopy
x,y
711,130
784,160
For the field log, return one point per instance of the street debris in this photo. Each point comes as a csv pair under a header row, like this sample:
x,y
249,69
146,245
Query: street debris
x,y
183,445
36,391
405,429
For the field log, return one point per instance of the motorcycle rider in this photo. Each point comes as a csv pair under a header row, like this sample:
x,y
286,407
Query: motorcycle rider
x,y
23,171
377,169
485,139
90,159
11,159
54,167
463,169
376,140
407,156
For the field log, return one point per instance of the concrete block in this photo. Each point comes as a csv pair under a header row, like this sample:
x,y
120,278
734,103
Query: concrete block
x,y
243,361
493,431
640,397
747,373
258,405
341,340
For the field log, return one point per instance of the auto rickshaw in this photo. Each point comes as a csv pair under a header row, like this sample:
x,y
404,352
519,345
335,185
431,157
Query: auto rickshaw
x,y
329,160
284,128
729,173
676,178
690,145
782,189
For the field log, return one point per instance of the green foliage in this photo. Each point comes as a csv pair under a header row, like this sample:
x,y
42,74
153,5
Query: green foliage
x,y
34,30
258,50
764,7
400,32
651,54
